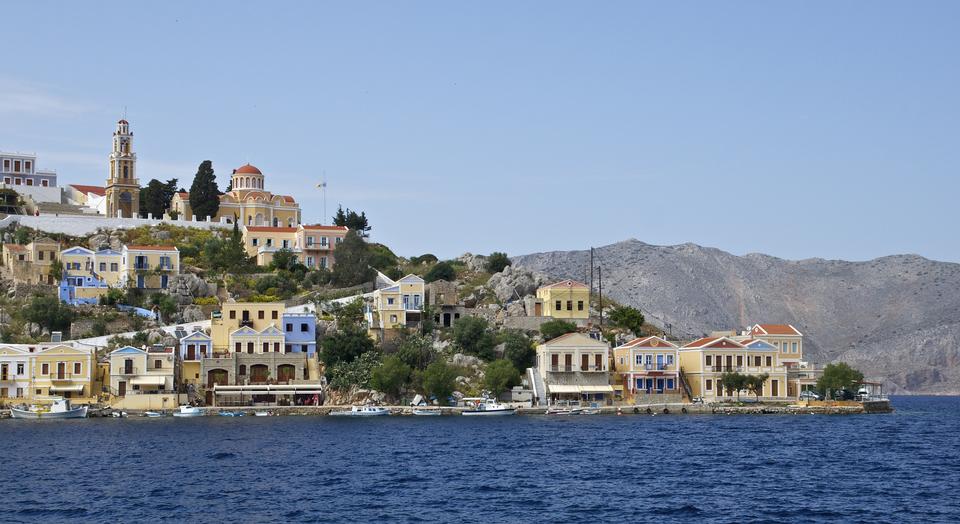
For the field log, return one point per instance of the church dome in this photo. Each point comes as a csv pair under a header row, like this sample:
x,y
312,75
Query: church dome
x,y
247,169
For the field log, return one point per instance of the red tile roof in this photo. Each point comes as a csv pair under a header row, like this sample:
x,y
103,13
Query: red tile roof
x,y
318,227
96,190
247,169
14,247
648,342
775,329
288,198
268,229
567,284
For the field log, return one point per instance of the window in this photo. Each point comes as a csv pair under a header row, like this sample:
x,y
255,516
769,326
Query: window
x,y
739,361
794,348
261,314
164,279
709,385
323,241
16,165
114,266
323,262
769,361
286,243
250,347
276,347
238,347
39,255
76,368
255,241
157,364
269,242
273,315
16,181
639,359
558,306
26,165
756,361
579,305
29,181
389,301
393,319
6,164
6,180
304,328
669,359
243,370
289,327
339,240
19,368
233,314
103,266
709,360
45,183
45,369
569,305
287,348
266,347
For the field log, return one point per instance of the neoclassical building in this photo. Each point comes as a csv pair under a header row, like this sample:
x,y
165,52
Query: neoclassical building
x,y
122,192
248,201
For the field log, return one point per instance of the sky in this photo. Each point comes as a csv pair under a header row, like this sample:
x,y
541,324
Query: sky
x,y
803,129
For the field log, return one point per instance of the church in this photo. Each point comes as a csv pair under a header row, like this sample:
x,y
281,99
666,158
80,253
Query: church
x,y
247,202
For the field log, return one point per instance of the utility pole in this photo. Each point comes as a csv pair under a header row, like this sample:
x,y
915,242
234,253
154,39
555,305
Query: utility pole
x,y
600,282
591,272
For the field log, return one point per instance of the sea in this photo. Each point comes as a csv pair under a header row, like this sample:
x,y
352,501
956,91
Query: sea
x,y
899,467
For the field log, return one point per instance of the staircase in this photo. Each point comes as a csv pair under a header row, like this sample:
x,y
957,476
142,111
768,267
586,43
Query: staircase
x,y
686,386
539,388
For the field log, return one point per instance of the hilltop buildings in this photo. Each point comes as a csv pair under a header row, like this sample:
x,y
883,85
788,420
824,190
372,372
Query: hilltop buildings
x,y
88,275
567,299
248,202
397,306
312,245
30,263
122,192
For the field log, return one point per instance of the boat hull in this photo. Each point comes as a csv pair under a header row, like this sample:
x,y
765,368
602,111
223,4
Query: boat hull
x,y
427,412
188,415
489,412
80,412
356,414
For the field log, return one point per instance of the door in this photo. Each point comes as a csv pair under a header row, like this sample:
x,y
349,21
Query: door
x,y
568,362
61,370
128,367
554,362
598,362
191,352
659,361
122,388
729,362
774,388
538,309
584,362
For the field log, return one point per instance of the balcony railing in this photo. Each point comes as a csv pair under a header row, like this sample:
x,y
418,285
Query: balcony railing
x,y
571,368
650,366
746,369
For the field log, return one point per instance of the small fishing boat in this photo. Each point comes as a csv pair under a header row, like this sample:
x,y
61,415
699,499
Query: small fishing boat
x,y
153,414
426,412
565,411
60,408
262,413
188,411
230,413
362,411
118,414
484,406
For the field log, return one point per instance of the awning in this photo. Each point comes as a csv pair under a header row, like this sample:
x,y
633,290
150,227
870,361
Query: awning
x,y
562,388
70,387
596,389
149,380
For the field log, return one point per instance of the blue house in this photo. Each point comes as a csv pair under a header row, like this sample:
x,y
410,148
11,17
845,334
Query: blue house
x,y
300,333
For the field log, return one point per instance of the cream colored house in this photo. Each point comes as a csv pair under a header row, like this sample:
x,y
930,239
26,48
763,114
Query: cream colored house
x,y
704,362
399,305
318,244
136,371
264,241
574,368
648,365
65,371
16,369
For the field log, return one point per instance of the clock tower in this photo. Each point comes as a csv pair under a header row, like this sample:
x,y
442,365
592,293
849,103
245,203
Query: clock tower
x,y
123,188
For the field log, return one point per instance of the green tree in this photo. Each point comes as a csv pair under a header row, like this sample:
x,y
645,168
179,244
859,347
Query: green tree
x,y
500,376
57,269
415,351
165,303
627,317
391,377
349,316
754,383
426,258
353,220
839,377
353,262
439,380
732,380
344,347
227,255
382,258
358,372
441,271
155,197
497,262
47,312
472,335
552,329
283,259
518,349
204,194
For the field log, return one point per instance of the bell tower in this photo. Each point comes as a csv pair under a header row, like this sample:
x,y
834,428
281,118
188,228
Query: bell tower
x,y
123,187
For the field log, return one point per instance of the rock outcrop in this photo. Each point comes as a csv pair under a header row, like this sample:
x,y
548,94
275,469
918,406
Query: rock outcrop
x,y
515,282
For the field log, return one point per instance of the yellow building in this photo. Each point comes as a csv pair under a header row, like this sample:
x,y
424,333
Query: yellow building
x,y
574,368
136,371
247,202
150,267
703,362
30,264
786,338
16,370
397,306
648,365
234,315
64,371
263,241
567,299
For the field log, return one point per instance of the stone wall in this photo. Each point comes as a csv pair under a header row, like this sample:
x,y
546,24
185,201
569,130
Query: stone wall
x,y
76,225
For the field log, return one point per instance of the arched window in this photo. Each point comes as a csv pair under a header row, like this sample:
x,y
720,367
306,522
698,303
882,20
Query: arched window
x,y
124,171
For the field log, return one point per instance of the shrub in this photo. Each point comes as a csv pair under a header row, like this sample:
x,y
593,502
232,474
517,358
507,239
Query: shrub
x,y
206,301
518,349
497,262
554,328
391,376
473,336
439,380
500,376
441,271
357,372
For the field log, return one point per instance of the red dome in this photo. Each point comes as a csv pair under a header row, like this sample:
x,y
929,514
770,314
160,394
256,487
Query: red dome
x,y
247,169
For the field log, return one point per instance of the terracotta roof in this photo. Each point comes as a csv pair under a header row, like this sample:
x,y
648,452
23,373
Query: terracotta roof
x,y
96,190
247,169
318,227
648,342
288,198
183,194
269,229
14,247
567,284
151,248
776,329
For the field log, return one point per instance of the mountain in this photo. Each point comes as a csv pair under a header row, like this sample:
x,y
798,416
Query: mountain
x,y
896,318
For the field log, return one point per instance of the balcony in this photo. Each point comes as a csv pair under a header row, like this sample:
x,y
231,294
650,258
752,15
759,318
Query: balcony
x,y
571,369
129,371
655,367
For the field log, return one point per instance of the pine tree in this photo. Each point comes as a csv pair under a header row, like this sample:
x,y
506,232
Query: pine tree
x,y
353,262
204,194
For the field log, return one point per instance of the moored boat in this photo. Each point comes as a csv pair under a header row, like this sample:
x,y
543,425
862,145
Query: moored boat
x,y
484,406
426,412
362,411
188,411
230,413
60,408
153,414
565,411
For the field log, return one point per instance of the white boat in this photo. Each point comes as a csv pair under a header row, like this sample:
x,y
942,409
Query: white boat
x,y
261,413
484,406
152,414
426,412
60,408
118,414
565,411
188,411
362,411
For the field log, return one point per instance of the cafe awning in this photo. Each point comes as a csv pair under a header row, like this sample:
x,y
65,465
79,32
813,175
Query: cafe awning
x,y
563,388
148,380
596,389
68,387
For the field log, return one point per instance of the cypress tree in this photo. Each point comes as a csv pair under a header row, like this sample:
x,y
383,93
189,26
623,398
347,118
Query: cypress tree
x,y
204,194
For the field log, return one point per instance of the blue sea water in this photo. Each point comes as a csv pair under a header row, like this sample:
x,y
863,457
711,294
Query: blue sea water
x,y
901,467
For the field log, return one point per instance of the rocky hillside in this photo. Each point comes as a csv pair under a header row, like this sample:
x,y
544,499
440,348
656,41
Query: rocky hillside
x,y
897,318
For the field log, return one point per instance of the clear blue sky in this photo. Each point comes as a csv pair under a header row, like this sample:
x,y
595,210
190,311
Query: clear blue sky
x,y
802,129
